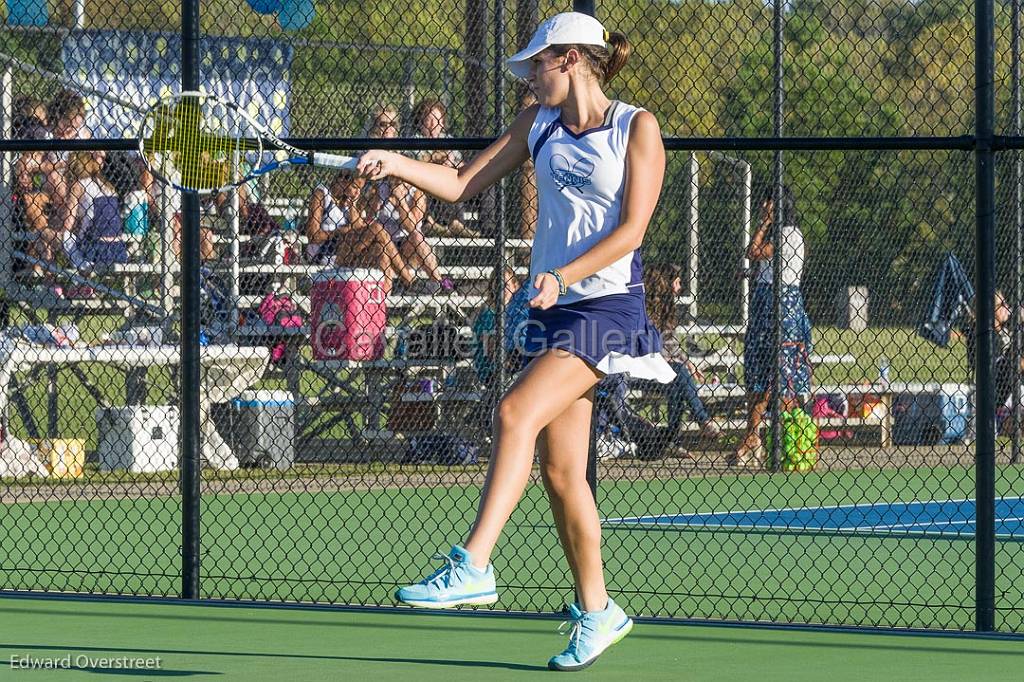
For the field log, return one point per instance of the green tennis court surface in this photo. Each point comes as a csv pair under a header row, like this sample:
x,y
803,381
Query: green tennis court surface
x,y
220,643
292,541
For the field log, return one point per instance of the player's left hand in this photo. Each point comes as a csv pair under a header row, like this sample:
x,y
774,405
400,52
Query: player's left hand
x,y
547,291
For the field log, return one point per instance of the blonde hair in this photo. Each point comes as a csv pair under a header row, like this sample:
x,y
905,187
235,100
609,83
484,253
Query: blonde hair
x,y
375,113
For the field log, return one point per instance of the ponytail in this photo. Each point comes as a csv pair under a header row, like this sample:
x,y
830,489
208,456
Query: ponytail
x,y
618,53
604,62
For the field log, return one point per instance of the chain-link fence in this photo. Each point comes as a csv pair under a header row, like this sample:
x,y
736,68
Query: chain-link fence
x,y
817,458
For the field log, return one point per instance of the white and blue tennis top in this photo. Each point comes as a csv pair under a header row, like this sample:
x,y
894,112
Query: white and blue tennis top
x,y
581,180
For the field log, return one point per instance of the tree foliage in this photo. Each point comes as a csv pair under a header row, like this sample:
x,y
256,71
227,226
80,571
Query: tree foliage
x,y
704,67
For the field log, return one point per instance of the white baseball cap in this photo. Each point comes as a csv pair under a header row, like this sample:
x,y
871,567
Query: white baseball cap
x,y
567,28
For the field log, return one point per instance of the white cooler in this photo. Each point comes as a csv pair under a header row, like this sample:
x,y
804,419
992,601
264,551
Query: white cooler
x,y
140,438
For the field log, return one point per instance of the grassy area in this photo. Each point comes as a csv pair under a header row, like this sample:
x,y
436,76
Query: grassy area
x,y
911,359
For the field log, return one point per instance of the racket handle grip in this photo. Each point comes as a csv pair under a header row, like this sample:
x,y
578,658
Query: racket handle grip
x,y
334,161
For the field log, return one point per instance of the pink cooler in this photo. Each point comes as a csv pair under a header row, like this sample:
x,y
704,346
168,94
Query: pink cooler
x,y
348,314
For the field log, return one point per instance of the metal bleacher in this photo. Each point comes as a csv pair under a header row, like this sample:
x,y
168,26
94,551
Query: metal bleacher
x,y
349,389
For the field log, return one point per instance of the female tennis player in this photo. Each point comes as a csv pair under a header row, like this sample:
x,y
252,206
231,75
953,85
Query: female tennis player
x,y
599,169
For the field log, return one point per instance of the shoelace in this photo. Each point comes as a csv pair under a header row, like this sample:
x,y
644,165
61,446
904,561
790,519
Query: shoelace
x,y
574,628
441,577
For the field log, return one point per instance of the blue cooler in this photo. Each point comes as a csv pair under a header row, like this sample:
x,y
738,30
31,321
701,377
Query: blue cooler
x,y
260,427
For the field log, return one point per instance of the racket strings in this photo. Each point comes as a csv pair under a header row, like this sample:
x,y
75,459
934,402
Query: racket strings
x,y
197,144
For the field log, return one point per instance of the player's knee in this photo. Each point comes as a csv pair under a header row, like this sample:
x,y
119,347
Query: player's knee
x,y
512,414
558,479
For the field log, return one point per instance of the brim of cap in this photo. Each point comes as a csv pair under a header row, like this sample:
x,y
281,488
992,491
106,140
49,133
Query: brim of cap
x,y
519,63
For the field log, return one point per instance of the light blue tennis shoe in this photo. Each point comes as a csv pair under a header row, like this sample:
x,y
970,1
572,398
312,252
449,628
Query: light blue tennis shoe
x,y
590,633
456,583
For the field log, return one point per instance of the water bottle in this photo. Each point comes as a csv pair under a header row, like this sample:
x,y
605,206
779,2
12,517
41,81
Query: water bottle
x,y
883,371
136,213
401,347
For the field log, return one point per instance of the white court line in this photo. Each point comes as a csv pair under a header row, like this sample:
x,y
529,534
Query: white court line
x,y
668,517
969,522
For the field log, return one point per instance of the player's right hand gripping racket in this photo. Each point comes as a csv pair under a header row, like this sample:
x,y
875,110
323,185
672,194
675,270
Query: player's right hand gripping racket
x,y
193,141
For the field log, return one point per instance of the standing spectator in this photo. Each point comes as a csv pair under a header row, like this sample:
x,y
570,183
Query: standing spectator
x,y
1002,358
759,352
401,209
442,217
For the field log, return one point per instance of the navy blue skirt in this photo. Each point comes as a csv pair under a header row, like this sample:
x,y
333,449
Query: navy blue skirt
x,y
611,333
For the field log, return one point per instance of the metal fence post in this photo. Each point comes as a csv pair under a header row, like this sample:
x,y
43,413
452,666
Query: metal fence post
x,y
189,400
778,170
6,188
501,214
1018,228
587,7
984,157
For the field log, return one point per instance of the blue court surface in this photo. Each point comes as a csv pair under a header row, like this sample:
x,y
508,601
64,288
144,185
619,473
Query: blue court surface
x,y
944,519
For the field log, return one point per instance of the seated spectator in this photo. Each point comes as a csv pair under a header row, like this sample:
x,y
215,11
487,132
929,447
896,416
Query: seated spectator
x,y
663,283
254,220
340,233
254,217
329,212
131,180
67,117
485,326
30,194
487,352
400,210
30,118
91,229
207,246
442,217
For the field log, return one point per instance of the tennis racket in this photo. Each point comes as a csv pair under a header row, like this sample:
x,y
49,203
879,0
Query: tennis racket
x,y
193,141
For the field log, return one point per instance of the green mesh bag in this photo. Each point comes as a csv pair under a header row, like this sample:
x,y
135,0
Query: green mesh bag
x,y
799,442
